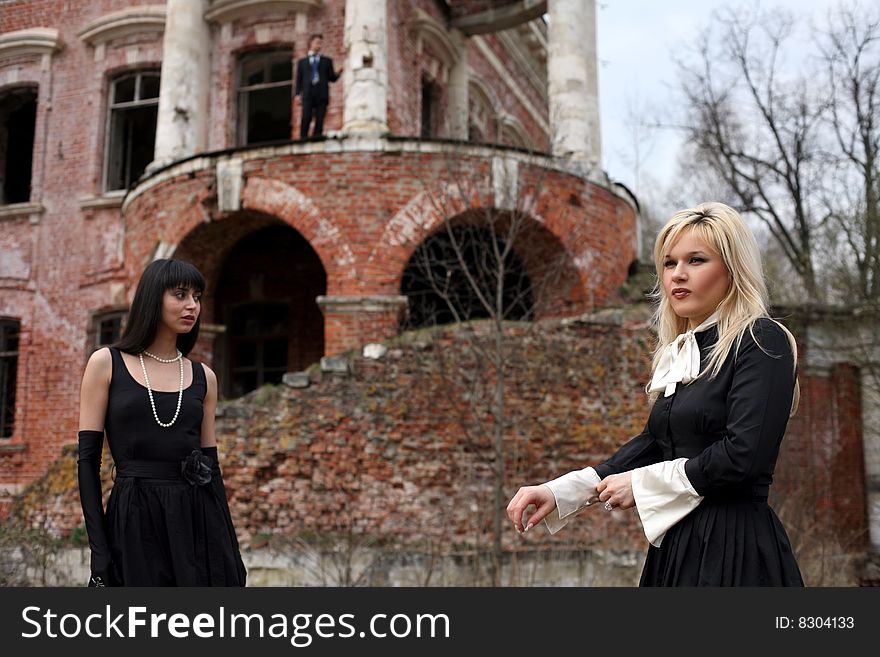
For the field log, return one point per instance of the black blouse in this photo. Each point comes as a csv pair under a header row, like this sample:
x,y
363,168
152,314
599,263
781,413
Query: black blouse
x,y
728,427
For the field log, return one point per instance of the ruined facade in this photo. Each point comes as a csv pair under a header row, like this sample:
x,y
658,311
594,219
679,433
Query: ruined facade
x,y
136,130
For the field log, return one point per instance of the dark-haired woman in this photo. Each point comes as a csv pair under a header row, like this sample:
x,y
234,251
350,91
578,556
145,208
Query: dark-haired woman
x,y
167,521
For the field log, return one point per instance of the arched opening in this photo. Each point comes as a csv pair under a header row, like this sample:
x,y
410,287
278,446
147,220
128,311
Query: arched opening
x,y
456,273
266,299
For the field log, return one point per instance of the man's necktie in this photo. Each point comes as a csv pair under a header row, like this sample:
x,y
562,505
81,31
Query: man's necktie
x,y
314,69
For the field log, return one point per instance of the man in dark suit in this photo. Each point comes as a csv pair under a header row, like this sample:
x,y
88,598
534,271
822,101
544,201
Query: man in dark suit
x,y
314,72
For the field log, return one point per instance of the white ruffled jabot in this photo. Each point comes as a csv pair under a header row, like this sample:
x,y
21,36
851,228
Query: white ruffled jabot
x,y
680,360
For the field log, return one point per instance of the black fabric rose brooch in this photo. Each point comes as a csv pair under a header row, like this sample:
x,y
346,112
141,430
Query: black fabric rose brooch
x,y
196,468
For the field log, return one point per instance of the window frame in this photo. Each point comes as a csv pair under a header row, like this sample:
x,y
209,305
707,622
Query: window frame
x,y
428,89
138,102
95,325
16,355
242,93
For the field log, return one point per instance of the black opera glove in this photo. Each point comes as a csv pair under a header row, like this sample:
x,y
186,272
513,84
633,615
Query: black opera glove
x,y
91,444
214,461
211,453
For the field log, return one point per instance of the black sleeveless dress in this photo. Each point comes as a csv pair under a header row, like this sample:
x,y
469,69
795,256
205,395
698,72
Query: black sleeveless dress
x,y
166,527
729,428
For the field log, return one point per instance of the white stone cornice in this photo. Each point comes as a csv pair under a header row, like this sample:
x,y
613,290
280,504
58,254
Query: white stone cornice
x,y
18,210
194,166
32,41
503,18
109,200
135,20
428,31
359,304
225,11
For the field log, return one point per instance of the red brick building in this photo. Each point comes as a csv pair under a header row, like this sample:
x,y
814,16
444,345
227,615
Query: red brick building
x,y
136,130
131,131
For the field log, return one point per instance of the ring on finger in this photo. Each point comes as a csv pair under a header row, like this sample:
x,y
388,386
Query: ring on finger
x,y
608,506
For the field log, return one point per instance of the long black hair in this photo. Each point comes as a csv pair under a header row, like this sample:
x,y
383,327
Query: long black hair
x,y
146,308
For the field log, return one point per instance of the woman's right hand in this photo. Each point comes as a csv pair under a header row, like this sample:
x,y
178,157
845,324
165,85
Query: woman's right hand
x,y
97,581
539,496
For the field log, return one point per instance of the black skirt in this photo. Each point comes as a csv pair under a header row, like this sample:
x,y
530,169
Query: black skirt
x,y
167,532
724,543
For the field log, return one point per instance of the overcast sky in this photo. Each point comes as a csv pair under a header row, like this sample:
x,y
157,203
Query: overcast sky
x,y
637,40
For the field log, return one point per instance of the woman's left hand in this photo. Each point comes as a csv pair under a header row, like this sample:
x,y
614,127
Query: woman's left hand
x,y
617,490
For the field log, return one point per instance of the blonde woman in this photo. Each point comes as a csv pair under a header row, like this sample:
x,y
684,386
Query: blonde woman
x,y
723,386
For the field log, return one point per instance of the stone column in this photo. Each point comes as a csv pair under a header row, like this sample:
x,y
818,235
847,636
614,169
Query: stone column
x,y
181,128
871,445
365,78
573,84
853,339
458,90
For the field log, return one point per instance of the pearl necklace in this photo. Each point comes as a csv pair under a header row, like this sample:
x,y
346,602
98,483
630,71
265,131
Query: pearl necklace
x,y
179,358
165,360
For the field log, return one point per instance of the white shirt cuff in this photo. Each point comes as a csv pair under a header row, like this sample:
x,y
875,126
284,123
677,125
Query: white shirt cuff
x,y
573,492
663,496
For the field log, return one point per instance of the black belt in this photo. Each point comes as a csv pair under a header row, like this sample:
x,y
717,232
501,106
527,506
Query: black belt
x,y
141,469
758,492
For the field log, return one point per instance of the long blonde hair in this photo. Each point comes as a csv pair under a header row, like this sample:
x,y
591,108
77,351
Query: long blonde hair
x,y
746,300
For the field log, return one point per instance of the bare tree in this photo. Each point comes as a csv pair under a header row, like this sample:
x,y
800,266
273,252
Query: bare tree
x,y
759,132
798,150
491,269
851,55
